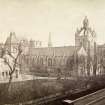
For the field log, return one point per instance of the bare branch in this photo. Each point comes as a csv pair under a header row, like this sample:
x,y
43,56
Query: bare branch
x,y
8,64
10,54
13,65
15,61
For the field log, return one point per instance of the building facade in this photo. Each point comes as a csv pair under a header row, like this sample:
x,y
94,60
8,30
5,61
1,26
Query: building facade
x,y
83,59
85,40
80,59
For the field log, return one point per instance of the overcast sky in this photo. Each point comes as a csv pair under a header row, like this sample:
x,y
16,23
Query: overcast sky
x,y
36,18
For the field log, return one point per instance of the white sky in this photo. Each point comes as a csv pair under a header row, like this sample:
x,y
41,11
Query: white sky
x,y
36,18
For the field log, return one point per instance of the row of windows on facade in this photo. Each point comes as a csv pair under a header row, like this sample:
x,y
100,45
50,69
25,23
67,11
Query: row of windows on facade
x,y
6,74
49,61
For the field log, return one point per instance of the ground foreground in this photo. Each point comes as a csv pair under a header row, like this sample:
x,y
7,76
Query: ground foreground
x,y
34,89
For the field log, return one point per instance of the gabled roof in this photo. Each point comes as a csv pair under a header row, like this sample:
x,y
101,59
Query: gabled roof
x,y
53,51
82,52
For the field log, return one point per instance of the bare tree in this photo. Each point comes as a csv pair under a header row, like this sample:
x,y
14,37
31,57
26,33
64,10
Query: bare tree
x,y
14,65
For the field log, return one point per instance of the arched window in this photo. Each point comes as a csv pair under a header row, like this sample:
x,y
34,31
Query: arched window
x,y
3,74
33,60
41,61
62,61
54,61
16,73
6,74
49,62
38,60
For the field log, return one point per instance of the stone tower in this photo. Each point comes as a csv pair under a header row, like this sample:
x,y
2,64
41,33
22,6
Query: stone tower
x,y
81,35
85,38
11,43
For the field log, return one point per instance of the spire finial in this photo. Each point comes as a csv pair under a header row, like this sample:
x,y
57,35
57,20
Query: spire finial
x,y
49,40
85,22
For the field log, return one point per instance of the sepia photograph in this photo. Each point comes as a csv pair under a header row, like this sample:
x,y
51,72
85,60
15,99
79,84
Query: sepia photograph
x,y
52,52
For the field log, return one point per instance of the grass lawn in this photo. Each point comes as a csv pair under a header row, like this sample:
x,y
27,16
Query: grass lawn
x,y
34,89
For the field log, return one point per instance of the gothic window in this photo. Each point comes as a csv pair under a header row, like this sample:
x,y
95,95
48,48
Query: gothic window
x,y
16,73
3,74
9,72
54,62
41,61
33,60
81,59
61,60
38,61
49,62
6,74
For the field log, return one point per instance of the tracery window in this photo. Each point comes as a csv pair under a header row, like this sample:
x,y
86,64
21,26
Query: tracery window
x,y
49,62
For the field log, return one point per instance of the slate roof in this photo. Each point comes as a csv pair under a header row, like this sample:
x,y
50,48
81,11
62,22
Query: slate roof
x,y
11,39
53,51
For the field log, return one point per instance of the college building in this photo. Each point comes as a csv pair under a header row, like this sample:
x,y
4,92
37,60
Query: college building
x,y
83,59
